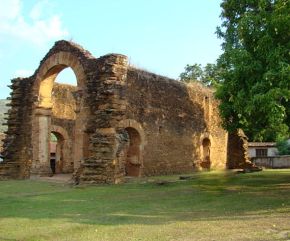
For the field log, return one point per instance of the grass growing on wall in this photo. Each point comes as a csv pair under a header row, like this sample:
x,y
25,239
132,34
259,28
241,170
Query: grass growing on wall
x,y
209,206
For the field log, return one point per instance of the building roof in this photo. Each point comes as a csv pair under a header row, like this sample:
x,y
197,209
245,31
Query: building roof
x,y
262,144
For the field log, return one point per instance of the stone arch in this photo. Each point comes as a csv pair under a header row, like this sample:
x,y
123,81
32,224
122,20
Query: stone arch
x,y
63,154
136,125
48,72
100,98
205,150
42,89
60,130
134,154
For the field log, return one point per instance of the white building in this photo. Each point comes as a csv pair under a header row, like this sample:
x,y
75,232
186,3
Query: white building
x,y
262,149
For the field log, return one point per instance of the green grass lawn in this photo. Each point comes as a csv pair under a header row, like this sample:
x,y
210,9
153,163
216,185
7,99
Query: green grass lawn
x,y
210,206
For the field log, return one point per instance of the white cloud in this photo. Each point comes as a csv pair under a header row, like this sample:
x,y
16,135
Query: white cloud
x,y
36,11
9,9
40,9
37,28
23,73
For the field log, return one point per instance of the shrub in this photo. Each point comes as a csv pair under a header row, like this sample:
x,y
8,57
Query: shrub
x,y
283,147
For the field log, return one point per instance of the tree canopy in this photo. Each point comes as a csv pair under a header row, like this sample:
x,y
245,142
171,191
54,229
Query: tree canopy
x,y
254,67
283,147
208,75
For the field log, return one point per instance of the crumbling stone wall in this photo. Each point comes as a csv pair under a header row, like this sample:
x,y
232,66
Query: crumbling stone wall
x,y
2,137
63,122
175,118
17,143
238,152
120,120
98,109
108,106
64,101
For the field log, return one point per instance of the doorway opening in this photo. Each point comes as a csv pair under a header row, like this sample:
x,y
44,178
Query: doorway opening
x,y
133,158
57,161
206,163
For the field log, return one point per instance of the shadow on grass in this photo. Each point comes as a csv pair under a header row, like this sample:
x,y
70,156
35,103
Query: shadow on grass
x,y
206,196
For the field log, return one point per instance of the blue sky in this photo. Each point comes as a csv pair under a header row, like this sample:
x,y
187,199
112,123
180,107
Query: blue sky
x,y
161,36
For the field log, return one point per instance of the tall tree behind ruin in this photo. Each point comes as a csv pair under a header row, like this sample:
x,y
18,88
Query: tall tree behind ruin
x,y
255,91
207,75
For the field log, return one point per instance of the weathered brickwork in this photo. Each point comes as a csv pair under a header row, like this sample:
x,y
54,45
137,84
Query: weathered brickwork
x,y
63,124
17,144
2,137
238,156
118,121
176,118
64,101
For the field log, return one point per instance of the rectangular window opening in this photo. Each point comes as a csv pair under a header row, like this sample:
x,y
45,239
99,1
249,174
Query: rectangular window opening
x,y
261,152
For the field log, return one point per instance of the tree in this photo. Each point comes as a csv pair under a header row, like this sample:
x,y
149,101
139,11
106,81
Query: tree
x,y
211,75
208,75
255,90
283,147
191,73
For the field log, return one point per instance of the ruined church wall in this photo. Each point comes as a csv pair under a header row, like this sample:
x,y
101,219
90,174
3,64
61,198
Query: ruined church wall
x,y
63,121
173,116
64,103
2,137
220,139
17,148
213,130
174,119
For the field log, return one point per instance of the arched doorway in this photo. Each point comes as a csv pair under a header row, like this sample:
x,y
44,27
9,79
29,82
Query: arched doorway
x,y
133,158
56,152
206,162
43,88
61,151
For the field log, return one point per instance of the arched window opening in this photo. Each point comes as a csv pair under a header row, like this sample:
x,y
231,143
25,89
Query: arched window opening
x,y
66,76
64,96
133,159
206,163
62,105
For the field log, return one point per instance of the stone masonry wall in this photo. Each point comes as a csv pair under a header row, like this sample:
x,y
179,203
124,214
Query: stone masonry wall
x,y
64,102
2,137
213,131
100,106
17,148
63,121
175,119
179,125
238,156
106,87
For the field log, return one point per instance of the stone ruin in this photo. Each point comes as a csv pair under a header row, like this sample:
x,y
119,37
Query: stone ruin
x,y
118,121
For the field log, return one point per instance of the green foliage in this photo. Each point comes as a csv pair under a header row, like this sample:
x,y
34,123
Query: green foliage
x,y
208,75
283,147
53,137
255,91
191,73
